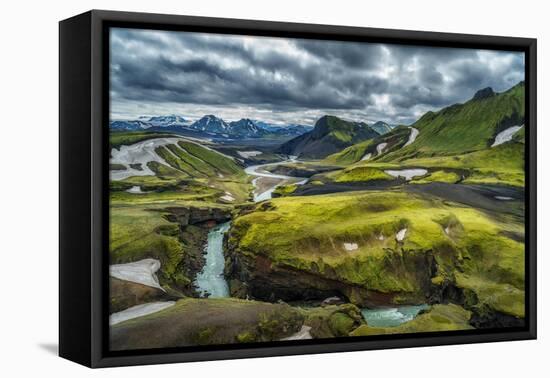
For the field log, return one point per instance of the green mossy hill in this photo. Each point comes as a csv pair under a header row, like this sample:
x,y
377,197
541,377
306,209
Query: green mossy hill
x,y
463,128
137,233
349,241
360,174
284,190
332,321
221,163
503,164
197,161
439,176
193,172
330,135
208,322
161,191
394,140
122,138
438,318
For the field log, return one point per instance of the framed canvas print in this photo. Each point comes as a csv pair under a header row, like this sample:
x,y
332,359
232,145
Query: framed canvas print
x,y
234,188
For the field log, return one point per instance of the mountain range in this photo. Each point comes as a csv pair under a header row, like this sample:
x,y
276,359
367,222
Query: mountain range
x,y
211,125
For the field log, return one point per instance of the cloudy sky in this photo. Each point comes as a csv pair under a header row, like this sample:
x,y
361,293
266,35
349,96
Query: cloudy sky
x,y
283,80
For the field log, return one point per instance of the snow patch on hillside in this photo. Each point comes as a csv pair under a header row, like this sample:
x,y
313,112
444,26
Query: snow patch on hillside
x,y
412,136
350,246
139,153
249,154
141,272
366,156
401,235
506,135
380,148
407,174
139,310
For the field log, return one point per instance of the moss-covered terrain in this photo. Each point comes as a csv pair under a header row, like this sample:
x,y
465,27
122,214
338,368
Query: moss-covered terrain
x,y
121,138
208,322
295,248
332,321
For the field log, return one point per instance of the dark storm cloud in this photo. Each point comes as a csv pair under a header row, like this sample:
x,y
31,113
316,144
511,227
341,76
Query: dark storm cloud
x,y
294,80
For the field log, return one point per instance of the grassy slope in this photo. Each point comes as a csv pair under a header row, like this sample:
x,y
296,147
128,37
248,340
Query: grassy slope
x,y
190,165
394,139
135,234
120,138
457,137
464,128
207,322
308,233
355,174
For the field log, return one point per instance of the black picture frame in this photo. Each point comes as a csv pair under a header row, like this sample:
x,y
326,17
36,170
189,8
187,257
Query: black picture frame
x,y
83,180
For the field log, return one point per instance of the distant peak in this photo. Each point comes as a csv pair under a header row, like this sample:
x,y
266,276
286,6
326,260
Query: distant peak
x,y
484,93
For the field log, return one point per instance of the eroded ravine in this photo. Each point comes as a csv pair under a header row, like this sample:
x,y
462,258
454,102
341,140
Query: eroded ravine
x,y
210,281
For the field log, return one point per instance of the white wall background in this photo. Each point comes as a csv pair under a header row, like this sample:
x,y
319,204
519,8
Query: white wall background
x,y
29,186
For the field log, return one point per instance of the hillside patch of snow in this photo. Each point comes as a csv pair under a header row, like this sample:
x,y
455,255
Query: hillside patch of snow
x,y
407,174
228,197
366,156
138,153
350,246
380,148
506,135
135,190
249,154
142,272
412,136
401,235
139,310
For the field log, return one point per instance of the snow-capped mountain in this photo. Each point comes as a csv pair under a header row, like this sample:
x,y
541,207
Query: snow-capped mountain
x,y
291,129
169,120
210,124
245,128
129,125
381,127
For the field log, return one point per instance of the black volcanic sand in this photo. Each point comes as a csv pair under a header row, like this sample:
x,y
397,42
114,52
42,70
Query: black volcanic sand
x,y
312,190
477,196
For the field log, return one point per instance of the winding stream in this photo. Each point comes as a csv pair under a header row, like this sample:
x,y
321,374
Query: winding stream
x,y
391,316
258,171
211,281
